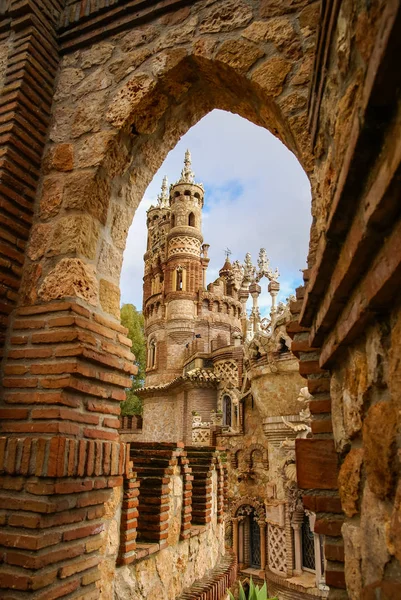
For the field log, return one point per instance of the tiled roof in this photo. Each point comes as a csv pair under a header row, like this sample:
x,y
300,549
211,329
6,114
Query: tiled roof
x,y
201,376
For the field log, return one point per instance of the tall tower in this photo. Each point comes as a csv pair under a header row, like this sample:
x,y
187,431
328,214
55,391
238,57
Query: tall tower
x,y
175,262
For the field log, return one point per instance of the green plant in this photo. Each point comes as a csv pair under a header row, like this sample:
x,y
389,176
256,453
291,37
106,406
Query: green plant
x,y
254,592
133,320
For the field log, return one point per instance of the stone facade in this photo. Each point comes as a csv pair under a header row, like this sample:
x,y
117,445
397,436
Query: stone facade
x,y
93,97
237,386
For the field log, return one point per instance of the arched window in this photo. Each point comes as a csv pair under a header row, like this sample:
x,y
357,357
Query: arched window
x,y
172,220
152,354
227,411
179,281
249,551
191,219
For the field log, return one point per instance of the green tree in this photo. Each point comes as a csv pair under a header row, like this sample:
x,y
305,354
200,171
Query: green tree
x,y
133,320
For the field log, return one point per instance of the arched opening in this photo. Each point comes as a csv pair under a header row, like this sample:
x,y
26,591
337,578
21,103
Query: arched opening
x,y
249,533
152,354
172,221
227,411
137,140
191,220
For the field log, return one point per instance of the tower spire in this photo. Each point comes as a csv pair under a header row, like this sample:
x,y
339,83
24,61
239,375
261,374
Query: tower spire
x,y
162,198
187,175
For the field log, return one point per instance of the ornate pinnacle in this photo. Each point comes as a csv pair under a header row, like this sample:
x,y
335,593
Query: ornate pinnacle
x,y
264,268
187,175
162,198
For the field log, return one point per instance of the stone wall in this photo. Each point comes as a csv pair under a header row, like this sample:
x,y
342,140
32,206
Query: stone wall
x,y
132,81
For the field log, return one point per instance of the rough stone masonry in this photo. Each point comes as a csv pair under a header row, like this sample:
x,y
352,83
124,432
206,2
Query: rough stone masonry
x,y
93,96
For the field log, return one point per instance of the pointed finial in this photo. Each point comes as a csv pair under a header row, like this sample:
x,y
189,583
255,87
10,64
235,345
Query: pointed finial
x,y
227,252
162,198
187,175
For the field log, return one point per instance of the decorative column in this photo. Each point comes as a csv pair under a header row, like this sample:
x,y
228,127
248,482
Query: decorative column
x,y
262,527
234,522
255,290
296,524
273,289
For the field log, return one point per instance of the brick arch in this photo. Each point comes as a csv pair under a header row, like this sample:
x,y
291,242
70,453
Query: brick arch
x,y
256,503
259,448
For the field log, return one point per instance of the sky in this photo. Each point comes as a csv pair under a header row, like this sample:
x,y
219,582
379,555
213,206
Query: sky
x,y
256,196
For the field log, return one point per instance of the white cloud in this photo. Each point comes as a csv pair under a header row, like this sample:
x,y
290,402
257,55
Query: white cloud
x,y
257,196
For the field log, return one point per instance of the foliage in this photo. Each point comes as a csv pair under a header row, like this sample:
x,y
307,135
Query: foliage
x,y
133,320
254,592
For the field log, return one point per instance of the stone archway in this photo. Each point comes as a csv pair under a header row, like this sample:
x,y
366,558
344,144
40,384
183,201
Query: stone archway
x,y
119,106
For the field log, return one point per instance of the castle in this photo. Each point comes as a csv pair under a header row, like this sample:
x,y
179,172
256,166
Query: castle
x,y
93,97
218,377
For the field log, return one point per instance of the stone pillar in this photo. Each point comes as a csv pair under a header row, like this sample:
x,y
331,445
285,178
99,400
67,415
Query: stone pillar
x,y
273,289
262,526
234,521
296,524
255,290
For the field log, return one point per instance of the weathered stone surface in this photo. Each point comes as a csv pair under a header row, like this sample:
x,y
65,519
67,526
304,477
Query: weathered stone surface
x,y
394,543
96,55
379,440
309,18
75,233
148,118
110,260
349,481
28,292
375,521
61,125
39,239
273,8
179,35
304,73
138,37
52,193
94,82
128,98
121,222
352,553
69,79
293,102
121,67
109,295
85,190
271,75
205,46
3,61
279,31
88,115
240,55
60,158
167,60
226,17
70,277
93,150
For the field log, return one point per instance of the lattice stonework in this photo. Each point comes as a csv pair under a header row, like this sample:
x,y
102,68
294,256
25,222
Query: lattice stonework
x,y
277,550
201,436
227,371
184,245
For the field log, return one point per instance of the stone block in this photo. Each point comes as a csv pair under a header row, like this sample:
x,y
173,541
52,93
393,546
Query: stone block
x,y
379,440
349,481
